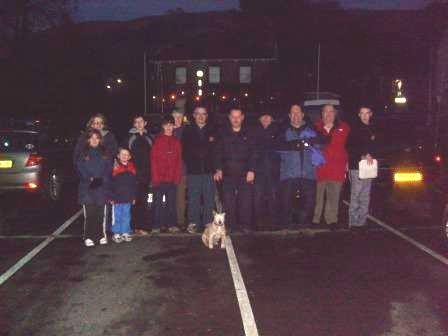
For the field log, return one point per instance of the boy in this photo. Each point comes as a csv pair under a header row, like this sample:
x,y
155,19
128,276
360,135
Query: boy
x,y
166,171
124,189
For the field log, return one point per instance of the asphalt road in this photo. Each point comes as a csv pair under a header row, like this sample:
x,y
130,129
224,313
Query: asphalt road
x,y
316,283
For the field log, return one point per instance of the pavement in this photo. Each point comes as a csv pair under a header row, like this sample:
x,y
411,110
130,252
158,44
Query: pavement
x,y
310,283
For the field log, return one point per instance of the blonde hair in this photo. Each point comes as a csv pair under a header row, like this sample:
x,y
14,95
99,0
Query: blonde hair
x,y
92,119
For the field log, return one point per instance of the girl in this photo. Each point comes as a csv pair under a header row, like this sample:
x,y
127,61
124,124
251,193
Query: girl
x,y
94,168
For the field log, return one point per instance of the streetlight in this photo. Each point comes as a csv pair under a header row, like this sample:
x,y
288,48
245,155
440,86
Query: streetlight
x,y
200,73
119,80
108,87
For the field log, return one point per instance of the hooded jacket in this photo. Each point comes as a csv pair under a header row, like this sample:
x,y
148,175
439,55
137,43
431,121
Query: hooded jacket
x,y
109,143
361,141
335,153
124,182
197,149
166,160
140,147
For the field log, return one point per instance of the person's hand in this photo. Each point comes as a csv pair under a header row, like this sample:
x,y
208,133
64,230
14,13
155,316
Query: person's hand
x,y
250,177
369,159
133,202
218,176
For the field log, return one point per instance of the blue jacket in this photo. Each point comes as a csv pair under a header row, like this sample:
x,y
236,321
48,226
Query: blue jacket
x,y
295,162
124,183
93,165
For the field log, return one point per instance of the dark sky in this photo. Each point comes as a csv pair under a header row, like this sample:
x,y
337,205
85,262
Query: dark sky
x,y
90,10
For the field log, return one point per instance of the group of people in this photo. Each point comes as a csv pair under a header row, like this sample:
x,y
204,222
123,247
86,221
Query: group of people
x,y
259,173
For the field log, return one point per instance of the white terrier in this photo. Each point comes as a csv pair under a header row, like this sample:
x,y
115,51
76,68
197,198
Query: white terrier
x,y
215,231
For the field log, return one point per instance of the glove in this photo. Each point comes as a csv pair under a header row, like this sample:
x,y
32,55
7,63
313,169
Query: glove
x,y
96,183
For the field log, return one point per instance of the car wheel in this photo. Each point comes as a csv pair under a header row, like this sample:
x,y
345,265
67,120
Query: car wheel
x,y
445,224
54,186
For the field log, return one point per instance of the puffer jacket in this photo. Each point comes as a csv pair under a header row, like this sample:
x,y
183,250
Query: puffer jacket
x,y
124,183
109,142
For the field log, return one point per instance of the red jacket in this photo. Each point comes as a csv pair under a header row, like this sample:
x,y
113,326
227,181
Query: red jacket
x,y
335,154
166,160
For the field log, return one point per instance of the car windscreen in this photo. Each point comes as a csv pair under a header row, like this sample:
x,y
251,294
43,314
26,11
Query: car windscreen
x,y
17,141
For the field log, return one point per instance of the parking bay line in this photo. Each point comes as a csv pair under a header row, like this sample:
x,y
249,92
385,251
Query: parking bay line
x,y
30,255
247,315
410,240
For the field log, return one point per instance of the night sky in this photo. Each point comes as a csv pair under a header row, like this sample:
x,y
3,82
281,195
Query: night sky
x,y
91,10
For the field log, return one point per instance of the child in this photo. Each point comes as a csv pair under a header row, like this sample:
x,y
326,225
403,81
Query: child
x,y
166,171
94,168
124,189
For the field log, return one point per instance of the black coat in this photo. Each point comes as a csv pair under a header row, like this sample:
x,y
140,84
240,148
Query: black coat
x,y
197,149
268,159
235,152
362,140
123,183
140,147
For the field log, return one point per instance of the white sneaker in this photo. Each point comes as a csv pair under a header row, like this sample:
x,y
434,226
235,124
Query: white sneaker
x,y
126,237
103,241
117,238
89,242
192,228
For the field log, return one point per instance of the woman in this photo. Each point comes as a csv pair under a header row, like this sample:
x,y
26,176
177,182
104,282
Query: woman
x,y
94,168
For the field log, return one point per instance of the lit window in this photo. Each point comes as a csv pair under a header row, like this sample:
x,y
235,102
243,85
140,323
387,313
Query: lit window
x,y
245,74
214,74
181,75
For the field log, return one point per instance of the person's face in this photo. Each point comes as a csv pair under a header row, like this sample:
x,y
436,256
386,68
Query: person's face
x,y
236,118
365,114
265,121
98,123
178,119
94,141
168,129
328,115
140,123
296,115
200,116
124,156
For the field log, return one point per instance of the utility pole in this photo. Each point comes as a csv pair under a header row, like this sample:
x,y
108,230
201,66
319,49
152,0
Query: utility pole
x,y
318,72
145,82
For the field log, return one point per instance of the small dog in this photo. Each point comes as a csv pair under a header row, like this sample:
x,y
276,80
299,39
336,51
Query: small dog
x,y
215,231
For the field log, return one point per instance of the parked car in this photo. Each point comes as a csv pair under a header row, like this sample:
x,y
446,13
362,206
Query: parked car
x,y
35,159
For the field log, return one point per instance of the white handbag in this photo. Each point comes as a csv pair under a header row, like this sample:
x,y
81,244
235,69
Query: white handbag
x,y
367,171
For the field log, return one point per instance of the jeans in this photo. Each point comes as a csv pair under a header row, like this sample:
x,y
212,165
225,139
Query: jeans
x,y
164,207
266,201
121,218
95,217
237,201
359,199
328,193
201,186
299,190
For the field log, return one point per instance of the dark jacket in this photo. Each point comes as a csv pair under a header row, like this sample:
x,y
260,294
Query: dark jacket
x,y
94,166
197,149
361,141
124,183
166,160
235,152
140,147
109,143
298,162
268,159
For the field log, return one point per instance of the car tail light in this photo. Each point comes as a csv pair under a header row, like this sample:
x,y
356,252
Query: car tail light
x,y
438,158
33,160
31,186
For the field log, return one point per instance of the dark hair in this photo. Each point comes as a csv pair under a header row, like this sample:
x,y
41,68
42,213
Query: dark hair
x,y
235,108
296,104
167,119
365,106
199,106
139,115
92,118
87,135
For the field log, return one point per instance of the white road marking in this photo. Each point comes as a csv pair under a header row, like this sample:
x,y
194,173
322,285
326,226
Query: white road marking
x,y
22,262
249,324
410,240
40,236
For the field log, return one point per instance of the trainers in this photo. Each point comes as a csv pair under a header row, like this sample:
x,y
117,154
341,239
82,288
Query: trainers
x,y
116,238
139,232
89,242
155,231
126,237
103,241
173,229
192,228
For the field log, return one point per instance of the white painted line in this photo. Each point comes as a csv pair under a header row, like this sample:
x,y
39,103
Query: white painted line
x,y
40,236
22,262
250,327
410,240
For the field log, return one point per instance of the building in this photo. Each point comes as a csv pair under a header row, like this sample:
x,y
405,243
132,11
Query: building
x,y
440,87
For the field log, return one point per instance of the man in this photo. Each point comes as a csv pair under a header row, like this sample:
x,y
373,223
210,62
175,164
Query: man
x,y
361,146
298,145
181,187
235,158
140,143
331,175
197,143
267,172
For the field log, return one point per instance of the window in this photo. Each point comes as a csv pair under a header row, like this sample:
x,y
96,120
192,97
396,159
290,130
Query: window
x,y
245,74
214,74
181,75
